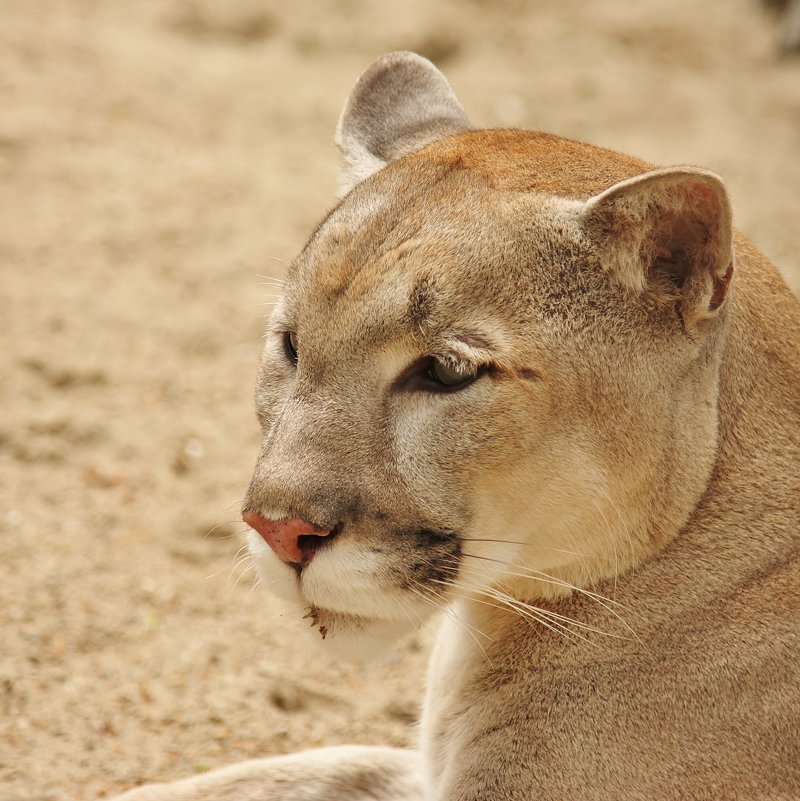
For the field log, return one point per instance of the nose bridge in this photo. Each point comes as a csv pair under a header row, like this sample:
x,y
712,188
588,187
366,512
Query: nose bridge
x,y
311,462
320,425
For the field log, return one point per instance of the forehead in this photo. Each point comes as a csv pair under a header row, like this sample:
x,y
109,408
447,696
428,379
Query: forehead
x,y
423,243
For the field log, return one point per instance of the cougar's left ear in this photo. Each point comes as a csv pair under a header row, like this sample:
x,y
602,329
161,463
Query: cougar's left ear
x,y
401,103
667,232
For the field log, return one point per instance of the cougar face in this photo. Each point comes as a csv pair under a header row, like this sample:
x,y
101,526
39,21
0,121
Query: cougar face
x,y
430,408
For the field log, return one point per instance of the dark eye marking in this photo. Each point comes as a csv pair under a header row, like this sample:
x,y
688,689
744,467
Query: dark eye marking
x,y
290,346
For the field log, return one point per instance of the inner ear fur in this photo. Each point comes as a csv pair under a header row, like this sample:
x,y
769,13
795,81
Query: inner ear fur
x,y
667,233
400,103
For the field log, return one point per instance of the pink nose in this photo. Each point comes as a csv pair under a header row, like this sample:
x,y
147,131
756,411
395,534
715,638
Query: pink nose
x,y
291,539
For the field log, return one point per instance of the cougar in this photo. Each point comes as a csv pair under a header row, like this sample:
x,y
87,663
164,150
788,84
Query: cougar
x,y
545,387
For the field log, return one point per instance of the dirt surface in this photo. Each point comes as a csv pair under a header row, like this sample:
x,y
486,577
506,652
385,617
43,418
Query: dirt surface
x,y
156,159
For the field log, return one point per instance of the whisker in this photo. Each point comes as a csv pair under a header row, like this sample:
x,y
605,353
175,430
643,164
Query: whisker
x,y
219,525
445,607
448,610
506,599
239,558
546,578
555,616
536,613
505,603
625,528
489,539
247,570
610,533
237,504
558,616
411,612
519,542
240,561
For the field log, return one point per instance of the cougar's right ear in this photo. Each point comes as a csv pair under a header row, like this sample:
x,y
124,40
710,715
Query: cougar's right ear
x,y
401,103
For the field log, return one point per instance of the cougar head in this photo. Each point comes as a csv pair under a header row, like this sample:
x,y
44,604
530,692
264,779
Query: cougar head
x,y
482,376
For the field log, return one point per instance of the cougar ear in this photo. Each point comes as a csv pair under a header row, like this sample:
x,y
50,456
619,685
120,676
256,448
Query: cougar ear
x,y
401,103
667,232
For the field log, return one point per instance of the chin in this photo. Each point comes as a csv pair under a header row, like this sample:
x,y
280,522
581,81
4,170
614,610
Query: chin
x,y
349,635
353,637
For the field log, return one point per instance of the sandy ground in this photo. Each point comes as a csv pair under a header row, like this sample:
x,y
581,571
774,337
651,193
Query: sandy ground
x,y
156,159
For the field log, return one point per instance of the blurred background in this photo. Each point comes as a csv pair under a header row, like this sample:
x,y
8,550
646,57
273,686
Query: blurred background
x,y
157,160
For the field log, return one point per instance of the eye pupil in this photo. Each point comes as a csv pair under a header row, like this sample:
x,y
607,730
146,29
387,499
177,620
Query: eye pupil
x,y
290,346
446,375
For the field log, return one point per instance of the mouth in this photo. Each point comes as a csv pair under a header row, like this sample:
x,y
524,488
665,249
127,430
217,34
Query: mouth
x,y
359,598
366,588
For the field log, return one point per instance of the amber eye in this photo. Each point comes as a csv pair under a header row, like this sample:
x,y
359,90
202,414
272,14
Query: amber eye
x,y
290,346
450,377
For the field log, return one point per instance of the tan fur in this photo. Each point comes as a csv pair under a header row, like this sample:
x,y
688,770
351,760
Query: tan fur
x,y
611,512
